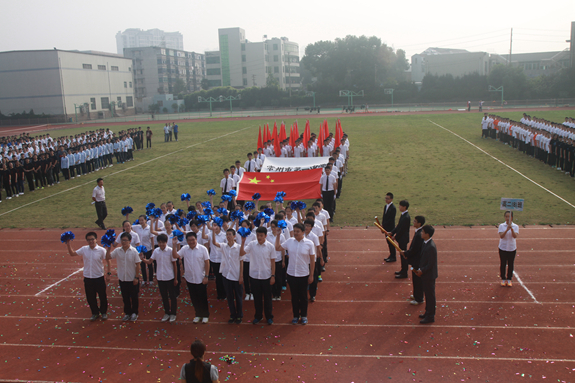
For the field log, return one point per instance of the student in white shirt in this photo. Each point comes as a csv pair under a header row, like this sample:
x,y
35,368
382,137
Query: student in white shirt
x,y
279,258
146,239
197,268
93,257
127,228
128,262
319,263
262,273
246,274
216,257
250,164
508,232
232,269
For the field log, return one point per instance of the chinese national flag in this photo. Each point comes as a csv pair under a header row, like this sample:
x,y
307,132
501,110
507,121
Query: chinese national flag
x,y
297,185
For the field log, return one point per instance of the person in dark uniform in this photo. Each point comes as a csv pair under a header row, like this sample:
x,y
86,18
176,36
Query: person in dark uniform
x,y
388,223
198,370
401,235
413,255
428,273
29,173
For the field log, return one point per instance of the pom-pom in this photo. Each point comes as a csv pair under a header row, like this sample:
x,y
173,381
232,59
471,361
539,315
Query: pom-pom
x,y
218,221
282,224
226,197
261,216
183,222
233,193
186,197
173,219
141,249
211,192
249,206
256,196
281,194
150,206
155,212
208,211
108,238
136,222
279,199
269,211
178,234
202,219
223,211
236,214
301,205
67,236
191,214
179,212
127,210
244,232
206,204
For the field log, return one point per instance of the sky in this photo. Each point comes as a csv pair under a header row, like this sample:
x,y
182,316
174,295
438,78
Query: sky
x,y
412,26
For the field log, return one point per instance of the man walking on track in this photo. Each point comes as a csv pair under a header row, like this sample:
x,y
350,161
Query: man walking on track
x,y
99,198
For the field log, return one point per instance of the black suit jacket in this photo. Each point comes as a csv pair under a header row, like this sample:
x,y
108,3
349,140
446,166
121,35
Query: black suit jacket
x,y
414,253
388,219
401,231
428,261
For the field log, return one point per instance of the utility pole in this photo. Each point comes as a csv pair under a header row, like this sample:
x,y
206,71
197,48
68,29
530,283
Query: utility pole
x,y
510,47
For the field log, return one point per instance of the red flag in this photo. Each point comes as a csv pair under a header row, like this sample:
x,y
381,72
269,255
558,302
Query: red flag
x,y
337,134
296,131
269,133
297,185
306,134
275,137
320,139
283,132
260,145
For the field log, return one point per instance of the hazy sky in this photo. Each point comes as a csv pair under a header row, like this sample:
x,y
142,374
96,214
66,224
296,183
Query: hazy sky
x,y
411,25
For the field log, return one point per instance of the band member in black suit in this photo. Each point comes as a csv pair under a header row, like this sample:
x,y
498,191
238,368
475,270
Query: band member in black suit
x,y
401,235
428,273
413,255
388,223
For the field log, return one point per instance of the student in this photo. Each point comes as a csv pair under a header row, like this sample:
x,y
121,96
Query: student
x,y
250,164
328,184
232,269
508,232
149,135
246,273
262,273
127,262
413,256
197,261
401,234
166,276
198,370
146,239
93,257
279,259
127,228
216,257
428,273
319,262
388,223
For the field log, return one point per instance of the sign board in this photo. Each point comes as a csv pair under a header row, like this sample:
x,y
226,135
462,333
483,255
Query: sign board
x,y
512,204
292,164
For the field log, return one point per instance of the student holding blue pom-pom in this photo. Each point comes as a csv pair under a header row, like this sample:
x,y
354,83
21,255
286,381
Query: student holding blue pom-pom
x,y
146,239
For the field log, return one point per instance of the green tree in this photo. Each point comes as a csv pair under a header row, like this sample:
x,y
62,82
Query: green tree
x,y
272,82
165,110
154,108
180,86
513,80
175,107
205,84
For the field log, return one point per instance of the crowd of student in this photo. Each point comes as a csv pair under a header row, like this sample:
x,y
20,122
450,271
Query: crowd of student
x,y
41,161
550,142
252,252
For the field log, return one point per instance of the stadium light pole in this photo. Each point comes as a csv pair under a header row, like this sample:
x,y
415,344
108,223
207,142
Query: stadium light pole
x,y
210,100
311,94
389,91
494,89
230,99
349,94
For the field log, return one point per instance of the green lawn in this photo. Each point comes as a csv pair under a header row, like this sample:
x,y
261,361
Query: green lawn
x,y
444,178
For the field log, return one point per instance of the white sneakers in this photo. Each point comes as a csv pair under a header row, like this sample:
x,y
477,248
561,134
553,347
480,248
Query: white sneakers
x,y
197,320
205,320
249,297
166,318
134,317
172,318
125,318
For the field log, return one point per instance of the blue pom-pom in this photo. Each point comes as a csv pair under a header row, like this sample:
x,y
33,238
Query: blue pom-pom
x,y
179,212
67,236
208,211
186,197
173,219
108,238
259,218
280,194
127,210
282,224
178,234
301,205
269,211
141,249
223,211
244,232
249,206
279,199
218,221
233,193
226,197
211,192
155,212
150,206
236,214
202,219
183,222
256,196
191,214
206,204
136,222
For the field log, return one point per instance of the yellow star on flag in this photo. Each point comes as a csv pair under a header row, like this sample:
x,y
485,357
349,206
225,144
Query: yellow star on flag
x,y
254,180
267,176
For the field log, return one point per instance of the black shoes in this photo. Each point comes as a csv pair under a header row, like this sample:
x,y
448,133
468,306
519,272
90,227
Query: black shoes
x,y
401,276
427,320
390,260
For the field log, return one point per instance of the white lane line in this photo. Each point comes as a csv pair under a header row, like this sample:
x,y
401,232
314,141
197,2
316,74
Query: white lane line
x,y
286,354
525,287
503,163
22,129
61,280
123,170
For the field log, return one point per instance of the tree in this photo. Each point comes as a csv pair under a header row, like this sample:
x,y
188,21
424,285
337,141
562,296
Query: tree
x,y
272,82
180,86
513,80
154,108
175,107
165,110
205,84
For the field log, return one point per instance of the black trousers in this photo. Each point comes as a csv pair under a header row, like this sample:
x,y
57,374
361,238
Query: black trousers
x,y
298,289
169,299
428,285
101,211
148,143
199,297
327,197
30,180
507,259
149,275
391,250
262,291
316,273
130,293
235,296
96,287
277,286
220,289
247,286
404,262
417,287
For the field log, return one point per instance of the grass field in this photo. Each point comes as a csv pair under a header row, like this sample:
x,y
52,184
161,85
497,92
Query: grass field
x,y
444,178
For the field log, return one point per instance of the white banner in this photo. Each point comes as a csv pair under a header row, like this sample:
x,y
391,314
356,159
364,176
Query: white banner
x,y
293,164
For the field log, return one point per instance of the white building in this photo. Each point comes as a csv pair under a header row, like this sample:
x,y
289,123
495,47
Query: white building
x,y
136,38
58,82
240,63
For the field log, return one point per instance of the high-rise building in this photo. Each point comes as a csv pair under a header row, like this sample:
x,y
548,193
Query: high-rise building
x,y
240,63
136,38
159,71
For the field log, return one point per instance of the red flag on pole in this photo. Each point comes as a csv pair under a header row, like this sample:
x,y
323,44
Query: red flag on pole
x,y
297,185
275,137
260,145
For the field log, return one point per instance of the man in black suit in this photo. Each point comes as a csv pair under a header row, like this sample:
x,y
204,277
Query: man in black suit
x,y
401,235
428,273
388,223
413,255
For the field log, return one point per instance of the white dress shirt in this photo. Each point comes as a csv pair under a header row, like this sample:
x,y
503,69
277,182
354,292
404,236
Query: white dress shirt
x,y
165,262
93,261
508,243
230,267
135,241
272,239
99,193
194,259
144,234
299,252
126,262
260,256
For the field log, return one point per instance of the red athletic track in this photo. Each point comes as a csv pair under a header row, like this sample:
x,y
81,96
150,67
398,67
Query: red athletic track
x,y
361,328
34,129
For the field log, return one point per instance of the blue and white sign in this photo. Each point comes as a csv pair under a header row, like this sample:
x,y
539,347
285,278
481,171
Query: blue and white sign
x,y
515,204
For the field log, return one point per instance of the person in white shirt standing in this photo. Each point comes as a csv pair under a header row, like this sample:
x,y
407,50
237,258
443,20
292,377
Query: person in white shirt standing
x,y
94,281
508,232
128,260
146,239
99,198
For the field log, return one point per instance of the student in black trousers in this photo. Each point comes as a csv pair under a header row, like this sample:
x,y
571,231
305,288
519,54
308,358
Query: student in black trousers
x,y
413,255
328,184
388,223
428,273
401,235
